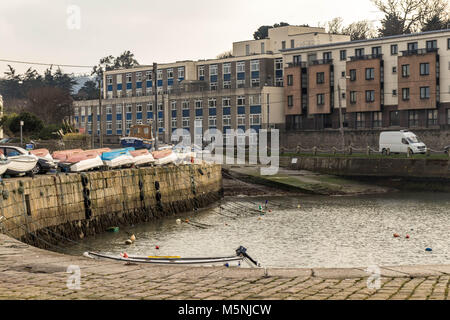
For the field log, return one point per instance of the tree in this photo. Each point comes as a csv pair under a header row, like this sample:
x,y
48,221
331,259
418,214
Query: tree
x,y
32,124
88,91
335,26
360,30
263,31
407,16
224,55
51,104
125,61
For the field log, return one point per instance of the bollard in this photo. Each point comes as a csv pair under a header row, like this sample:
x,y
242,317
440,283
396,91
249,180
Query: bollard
x,y
315,151
368,150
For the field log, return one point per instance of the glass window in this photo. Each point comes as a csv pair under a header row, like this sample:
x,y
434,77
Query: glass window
x,y
201,71
376,50
370,95
240,66
370,73
394,49
320,99
405,70
343,55
226,119
213,70
181,72
320,77
290,80
327,56
170,73
149,75
212,103
377,119
226,68
394,118
353,75
360,120
359,52
432,117
413,46
431,44
138,76
241,101
424,92
254,65
413,118
352,97
226,102
139,108
405,94
290,101
173,105
279,64
424,69
198,104
185,105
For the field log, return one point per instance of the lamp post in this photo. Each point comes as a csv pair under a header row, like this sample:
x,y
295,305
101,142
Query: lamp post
x,y
341,118
21,136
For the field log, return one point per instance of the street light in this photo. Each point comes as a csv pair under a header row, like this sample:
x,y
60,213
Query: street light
x,y
21,136
341,122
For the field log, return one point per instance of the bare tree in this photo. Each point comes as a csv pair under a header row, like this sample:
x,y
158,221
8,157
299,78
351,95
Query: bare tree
x,y
224,55
360,30
335,26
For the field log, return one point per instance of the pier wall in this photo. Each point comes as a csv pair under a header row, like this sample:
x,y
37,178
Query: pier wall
x,y
47,209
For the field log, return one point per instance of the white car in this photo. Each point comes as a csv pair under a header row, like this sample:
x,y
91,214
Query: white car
x,y
400,141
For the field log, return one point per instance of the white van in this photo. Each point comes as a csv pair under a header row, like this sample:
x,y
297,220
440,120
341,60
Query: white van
x,y
400,141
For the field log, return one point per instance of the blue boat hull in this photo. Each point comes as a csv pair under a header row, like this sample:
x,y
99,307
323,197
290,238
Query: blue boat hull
x,y
136,143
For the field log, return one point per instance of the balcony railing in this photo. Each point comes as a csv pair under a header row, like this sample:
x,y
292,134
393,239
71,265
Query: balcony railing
x,y
321,61
366,57
419,51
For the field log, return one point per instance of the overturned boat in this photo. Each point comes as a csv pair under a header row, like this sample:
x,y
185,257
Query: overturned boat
x,y
62,156
164,157
21,164
82,161
142,157
118,158
241,255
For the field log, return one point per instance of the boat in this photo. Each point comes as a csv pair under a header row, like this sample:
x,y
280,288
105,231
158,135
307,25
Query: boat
x,y
3,164
101,150
142,157
118,158
21,164
42,153
241,255
141,137
64,154
164,157
82,161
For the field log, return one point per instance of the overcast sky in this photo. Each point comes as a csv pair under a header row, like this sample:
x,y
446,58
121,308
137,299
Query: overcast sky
x,y
160,31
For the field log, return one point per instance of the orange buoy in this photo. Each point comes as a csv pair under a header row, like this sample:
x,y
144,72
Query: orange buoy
x,y
407,236
157,247
125,255
396,235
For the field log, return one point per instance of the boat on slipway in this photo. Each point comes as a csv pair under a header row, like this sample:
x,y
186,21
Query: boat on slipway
x,y
62,156
142,157
118,158
82,161
164,157
42,153
241,255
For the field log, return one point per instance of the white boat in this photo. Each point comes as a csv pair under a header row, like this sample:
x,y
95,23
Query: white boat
x,y
118,158
142,157
21,164
3,164
42,153
84,161
164,157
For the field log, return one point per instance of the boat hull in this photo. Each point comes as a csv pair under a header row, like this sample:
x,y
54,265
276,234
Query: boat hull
x,y
87,164
136,143
21,164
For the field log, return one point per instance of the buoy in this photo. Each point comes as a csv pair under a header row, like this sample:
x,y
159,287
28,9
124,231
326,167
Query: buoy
x,y
270,210
226,265
128,242
407,236
157,247
299,206
396,235
125,255
187,220
178,221
133,238
428,249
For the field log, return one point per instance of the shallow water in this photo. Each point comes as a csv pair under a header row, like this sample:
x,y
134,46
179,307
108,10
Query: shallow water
x,y
323,232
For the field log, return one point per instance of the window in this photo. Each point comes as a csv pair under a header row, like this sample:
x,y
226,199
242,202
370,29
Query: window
x,y
370,73
290,101
139,92
279,82
394,93
360,119
424,92
241,83
226,120
327,56
170,73
343,55
160,106
213,86
394,118
432,117
150,107
254,65
254,99
394,69
159,74
185,122
149,91
240,66
359,52
279,64
212,120
212,103
353,75
241,101
109,80
412,46
413,118
352,97
247,49
128,124
255,83
370,95
149,75
431,44
394,49
119,125
185,105
290,80
424,69
213,70
255,119
405,70
201,71
283,45
128,77
180,72
227,84
297,60
226,102
198,104
405,94
376,51
448,43
119,79
377,119
320,77
138,76
173,105
139,108
320,99
129,108
241,120
292,43
226,68
263,47
173,122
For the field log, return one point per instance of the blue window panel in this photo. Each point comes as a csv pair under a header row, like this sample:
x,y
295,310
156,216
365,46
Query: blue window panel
x,y
255,109
128,131
187,129
170,82
149,115
89,132
241,76
83,118
139,85
212,111
255,74
149,84
185,113
160,114
109,117
119,117
198,112
119,132
129,116
241,128
174,113
213,78
76,119
226,128
213,128
119,87
160,83
180,79
98,118
139,115
109,132
279,73
257,128
129,86
226,111
161,130
227,77
241,110
201,78
110,88
89,118
174,129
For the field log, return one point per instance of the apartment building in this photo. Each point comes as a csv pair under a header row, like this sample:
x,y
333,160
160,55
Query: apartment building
x,y
393,82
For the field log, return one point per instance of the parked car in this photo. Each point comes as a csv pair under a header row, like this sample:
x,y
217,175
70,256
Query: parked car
x,y
400,141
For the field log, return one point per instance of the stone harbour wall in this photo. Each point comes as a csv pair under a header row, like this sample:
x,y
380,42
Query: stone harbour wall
x,y
48,209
